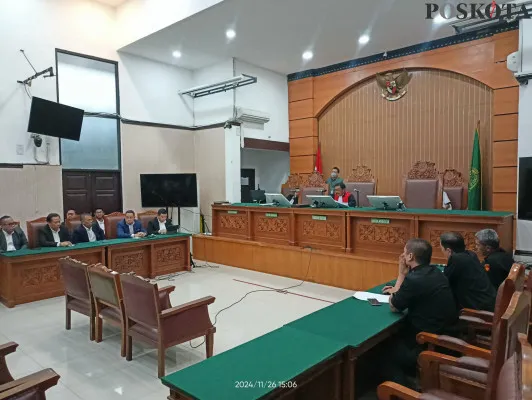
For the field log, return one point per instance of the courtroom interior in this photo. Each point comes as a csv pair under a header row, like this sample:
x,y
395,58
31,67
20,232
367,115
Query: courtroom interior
x,y
249,199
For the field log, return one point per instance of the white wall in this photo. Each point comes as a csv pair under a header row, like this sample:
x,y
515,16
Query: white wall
x,y
270,95
271,168
139,18
148,91
524,149
218,107
39,27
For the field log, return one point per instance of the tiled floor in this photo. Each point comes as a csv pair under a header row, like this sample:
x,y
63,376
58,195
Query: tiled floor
x,y
92,371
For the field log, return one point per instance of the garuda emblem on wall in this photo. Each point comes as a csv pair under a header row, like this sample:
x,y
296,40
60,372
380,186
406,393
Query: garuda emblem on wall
x,y
393,85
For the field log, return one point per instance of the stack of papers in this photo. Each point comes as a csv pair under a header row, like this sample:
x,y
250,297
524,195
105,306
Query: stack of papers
x,y
364,296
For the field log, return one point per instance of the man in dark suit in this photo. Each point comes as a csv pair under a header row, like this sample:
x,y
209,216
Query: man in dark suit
x,y
87,231
424,291
497,262
470,284
130,227
11,237
159,225
53,234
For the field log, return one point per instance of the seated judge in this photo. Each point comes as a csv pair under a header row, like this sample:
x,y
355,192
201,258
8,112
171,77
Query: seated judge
x,y
54,234
12,237
87,231
334,180
497,262
470,284
343,196
130,227
158,226
424,291
98,218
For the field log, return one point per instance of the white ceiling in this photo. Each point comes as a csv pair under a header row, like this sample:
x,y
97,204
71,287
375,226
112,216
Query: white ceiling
x,y
274,33
112,3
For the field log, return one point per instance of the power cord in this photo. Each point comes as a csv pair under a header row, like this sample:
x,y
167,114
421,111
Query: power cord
x,y
283,290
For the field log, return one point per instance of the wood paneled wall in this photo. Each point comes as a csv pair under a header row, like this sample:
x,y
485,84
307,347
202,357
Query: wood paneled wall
x,y
483,60
434,121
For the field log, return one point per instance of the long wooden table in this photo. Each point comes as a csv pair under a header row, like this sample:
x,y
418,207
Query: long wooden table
x,y
312,358
33,274
353,248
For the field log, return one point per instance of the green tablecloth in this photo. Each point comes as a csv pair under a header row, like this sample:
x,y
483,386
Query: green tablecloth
x,y
351,321
260,364
101,243
408,211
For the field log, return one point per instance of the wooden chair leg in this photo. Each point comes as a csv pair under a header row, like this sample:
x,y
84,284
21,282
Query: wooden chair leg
x,y
92,328
161,356
98,329
68,318
129,347
209,343
123,344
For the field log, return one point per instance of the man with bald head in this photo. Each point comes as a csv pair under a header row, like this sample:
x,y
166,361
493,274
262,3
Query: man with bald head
x,y
11,236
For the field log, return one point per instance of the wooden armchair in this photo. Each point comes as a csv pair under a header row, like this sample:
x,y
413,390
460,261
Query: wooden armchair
x,y
32,228
361,178
513,383
31,387
146,217
292,185
475,374
313,185
422,186
147,322
5,349
78,296
110,221
456,188
480,323
109,301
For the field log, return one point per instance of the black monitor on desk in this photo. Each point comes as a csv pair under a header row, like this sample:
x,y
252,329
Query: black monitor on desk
x,y
258,196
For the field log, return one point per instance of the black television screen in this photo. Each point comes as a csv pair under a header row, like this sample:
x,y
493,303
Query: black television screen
x,y
54,119
525,188
168,190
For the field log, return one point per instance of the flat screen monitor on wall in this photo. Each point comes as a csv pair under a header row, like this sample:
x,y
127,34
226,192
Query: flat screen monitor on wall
x,y
168,190
53,119
525,188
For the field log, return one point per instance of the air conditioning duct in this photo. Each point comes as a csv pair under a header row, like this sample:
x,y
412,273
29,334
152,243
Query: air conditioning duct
x,y
251,116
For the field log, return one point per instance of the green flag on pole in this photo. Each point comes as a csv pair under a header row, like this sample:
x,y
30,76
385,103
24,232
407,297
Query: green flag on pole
x,y
474,200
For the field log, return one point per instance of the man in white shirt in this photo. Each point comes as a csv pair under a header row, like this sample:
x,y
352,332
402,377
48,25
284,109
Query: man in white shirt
x,y
53,234
98,219
87,231
11,236
159,225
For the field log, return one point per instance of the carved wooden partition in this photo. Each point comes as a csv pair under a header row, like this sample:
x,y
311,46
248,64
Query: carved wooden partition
x,y
361,173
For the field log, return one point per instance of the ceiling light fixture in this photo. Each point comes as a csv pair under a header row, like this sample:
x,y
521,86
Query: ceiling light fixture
x,y
176,54
363,39
307,55
230,33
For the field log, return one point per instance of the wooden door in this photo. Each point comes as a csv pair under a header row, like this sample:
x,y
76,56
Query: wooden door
x,y
84,191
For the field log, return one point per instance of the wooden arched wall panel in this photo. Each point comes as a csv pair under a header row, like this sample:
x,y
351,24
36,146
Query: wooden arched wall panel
x,y
434,121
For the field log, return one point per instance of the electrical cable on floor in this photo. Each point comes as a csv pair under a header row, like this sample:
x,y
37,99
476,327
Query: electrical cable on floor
x,y
169,277
283,290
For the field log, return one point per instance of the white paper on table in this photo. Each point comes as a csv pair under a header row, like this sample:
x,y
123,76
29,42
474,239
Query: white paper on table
x,y
364,296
